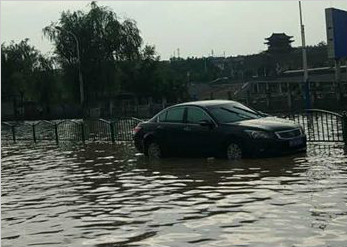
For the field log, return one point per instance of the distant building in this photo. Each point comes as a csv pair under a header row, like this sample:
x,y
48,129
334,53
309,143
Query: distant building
x,y
279,42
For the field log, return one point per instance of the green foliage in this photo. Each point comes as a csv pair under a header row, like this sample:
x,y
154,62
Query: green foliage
x,y
26,72
108,49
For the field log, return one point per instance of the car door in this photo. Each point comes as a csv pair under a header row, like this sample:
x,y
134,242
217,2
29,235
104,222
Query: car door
x,y
200,138
169,129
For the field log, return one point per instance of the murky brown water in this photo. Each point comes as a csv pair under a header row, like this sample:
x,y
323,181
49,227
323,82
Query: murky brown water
x,y
106,195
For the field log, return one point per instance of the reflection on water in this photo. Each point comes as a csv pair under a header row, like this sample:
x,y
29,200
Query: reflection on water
x,y
107,195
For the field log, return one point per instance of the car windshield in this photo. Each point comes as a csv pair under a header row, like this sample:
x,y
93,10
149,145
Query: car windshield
x,y
229,113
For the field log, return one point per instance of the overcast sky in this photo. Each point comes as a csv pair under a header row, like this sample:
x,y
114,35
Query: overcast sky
x,y
195,27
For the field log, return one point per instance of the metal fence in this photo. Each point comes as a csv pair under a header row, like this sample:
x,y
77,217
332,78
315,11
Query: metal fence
x,y
69,130
319,125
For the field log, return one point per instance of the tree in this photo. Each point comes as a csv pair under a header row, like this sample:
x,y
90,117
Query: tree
x,y
146,83
26,72
104,41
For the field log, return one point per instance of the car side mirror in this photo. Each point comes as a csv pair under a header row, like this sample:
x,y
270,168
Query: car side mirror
x,y
206,123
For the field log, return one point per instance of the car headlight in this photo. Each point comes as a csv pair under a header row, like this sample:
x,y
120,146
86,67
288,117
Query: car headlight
x,y
258,134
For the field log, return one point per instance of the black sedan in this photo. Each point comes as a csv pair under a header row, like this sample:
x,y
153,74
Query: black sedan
x,y
219,128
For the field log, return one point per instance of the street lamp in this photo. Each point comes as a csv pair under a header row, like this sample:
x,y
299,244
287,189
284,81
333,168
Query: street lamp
x,y
78,62
304,61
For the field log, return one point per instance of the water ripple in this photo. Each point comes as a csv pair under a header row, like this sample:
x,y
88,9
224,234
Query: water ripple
x,y
107,195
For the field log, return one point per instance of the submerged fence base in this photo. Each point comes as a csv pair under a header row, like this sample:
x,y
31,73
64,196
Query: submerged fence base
x,y
319,126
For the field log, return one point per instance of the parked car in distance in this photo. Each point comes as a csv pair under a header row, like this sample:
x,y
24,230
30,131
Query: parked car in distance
x,y
217,128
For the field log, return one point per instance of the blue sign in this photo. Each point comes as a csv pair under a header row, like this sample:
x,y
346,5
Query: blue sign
x,y
336,22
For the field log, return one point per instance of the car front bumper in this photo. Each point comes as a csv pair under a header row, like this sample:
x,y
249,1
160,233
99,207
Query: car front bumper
x,y
273,147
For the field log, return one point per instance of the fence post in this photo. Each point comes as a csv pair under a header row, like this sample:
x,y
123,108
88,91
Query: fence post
x,y
34,134
289,97
112,131
344,127
248,97
229,96
13,133
82,132
56,133
268,95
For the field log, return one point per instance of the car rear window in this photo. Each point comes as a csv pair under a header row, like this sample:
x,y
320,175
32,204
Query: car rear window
x,y
162,117
196,115
174,115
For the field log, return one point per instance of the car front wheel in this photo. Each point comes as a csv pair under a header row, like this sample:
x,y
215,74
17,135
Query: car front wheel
x,y
234,151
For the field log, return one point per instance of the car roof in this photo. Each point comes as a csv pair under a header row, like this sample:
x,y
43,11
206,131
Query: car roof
x,y
207,103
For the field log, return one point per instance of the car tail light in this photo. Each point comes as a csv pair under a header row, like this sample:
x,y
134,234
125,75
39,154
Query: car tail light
x,y
136,129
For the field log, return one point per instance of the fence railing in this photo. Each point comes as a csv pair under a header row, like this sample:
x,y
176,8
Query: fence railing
x,y
319,126
70,130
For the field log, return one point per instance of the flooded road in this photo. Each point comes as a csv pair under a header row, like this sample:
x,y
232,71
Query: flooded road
x,y
107,195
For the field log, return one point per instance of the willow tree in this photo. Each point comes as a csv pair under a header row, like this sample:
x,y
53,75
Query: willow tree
x,y
103,40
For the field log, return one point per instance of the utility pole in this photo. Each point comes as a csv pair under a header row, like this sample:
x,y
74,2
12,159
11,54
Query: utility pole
x,y
80,78
304,62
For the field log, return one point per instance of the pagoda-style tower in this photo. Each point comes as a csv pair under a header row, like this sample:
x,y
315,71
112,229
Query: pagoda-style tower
x,y
279,43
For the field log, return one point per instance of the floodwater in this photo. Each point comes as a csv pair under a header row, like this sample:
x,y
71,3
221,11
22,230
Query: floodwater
x,y
107,195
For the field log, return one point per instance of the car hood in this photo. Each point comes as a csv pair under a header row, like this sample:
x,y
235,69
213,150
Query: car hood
x,y
268,123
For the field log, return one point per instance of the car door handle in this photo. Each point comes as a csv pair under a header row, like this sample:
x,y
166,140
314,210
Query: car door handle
x,y
187,128
160,127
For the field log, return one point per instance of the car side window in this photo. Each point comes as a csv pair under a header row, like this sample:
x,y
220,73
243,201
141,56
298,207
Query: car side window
x,y
196,115
175,115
